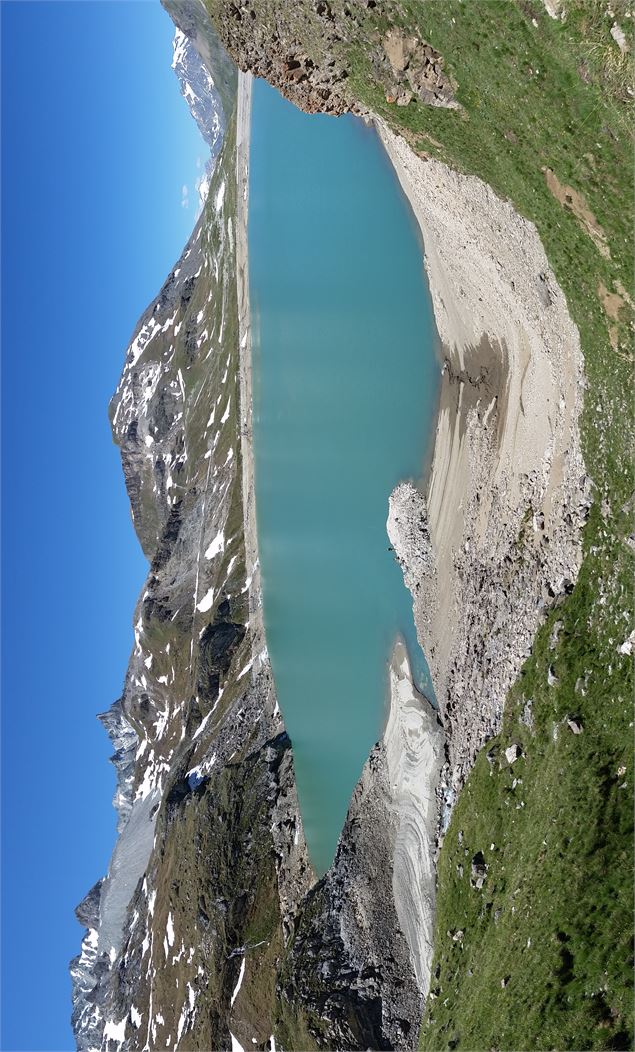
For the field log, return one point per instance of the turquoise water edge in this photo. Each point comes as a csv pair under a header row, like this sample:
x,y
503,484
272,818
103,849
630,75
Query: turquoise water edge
x,y
346,380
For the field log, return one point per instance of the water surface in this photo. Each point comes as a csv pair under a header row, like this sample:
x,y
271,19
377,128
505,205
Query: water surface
x,y
345,387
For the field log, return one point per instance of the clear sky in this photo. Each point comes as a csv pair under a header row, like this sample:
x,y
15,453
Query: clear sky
x,y
97,144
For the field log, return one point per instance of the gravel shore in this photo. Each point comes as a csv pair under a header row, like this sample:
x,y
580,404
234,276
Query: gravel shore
x,y
496,534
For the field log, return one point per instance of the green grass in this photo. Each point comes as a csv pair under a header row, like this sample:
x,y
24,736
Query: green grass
x,y
550,95
560,870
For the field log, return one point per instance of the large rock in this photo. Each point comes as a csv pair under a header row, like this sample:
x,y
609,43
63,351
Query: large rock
x,y
512,753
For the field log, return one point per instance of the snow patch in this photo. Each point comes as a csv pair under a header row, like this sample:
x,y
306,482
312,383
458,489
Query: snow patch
x,y
179,45
182,1022
197,774
244,671
217,545
220,197
240,981
206,602
203,725
116,1031
141,341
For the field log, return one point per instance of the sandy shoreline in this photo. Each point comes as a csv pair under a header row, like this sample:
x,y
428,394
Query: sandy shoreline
x,y
507,474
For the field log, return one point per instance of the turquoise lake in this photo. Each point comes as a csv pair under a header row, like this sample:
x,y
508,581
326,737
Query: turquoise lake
x,y
345,387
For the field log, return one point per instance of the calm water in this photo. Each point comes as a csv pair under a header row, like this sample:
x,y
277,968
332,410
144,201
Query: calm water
x,y
345,388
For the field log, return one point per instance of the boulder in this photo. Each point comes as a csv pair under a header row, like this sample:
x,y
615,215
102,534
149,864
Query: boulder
x,y
512,753
399,48
479,871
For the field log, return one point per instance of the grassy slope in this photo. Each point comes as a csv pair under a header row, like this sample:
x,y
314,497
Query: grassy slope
x,y
561,870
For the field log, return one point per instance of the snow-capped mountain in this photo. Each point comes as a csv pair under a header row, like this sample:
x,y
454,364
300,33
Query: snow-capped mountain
x,y
199,91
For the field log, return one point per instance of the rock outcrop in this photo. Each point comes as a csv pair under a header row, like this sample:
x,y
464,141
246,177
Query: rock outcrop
x,y
305,52
416,70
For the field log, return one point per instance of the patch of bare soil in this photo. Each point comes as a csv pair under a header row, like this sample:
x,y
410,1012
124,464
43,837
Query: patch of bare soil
x,y
576,203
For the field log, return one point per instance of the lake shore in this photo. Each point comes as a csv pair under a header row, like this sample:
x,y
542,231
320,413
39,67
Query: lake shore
x,y
252,562
506,485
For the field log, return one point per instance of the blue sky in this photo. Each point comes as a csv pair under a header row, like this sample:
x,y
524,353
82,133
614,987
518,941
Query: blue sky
x,y
97,146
